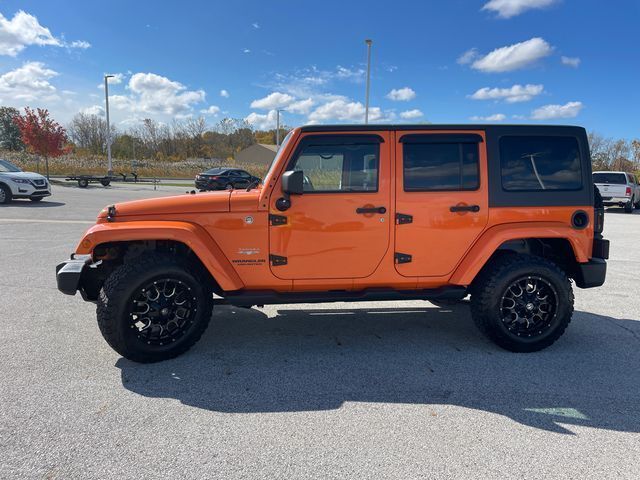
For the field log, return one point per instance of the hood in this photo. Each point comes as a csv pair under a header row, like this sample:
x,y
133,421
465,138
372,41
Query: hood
x,y
207,202
27,175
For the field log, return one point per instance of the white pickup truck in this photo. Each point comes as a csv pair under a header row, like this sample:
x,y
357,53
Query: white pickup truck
x,y
618,188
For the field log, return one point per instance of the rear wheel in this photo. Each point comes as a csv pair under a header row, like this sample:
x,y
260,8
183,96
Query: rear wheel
x,y
628,207
155,308
105,182
5,194
523,303
83,183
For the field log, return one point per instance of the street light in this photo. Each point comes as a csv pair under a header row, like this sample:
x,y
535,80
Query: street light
x,y
106,101
366,107
278,110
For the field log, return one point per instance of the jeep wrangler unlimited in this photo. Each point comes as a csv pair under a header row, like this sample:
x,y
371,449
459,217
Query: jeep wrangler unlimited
x,y
507,214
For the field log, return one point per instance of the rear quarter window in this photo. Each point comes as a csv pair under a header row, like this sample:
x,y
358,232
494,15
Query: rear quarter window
x,y
536,163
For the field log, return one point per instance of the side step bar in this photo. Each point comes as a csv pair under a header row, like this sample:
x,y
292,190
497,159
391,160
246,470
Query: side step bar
x,y
245,298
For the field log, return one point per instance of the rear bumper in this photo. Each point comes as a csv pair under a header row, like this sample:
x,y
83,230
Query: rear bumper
x,y
610,201
69,273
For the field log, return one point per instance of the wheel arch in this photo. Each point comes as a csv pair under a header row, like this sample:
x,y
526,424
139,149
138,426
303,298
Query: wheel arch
x,y
120,240
554,241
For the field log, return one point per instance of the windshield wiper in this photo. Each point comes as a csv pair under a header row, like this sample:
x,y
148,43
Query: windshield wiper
x,y
253,184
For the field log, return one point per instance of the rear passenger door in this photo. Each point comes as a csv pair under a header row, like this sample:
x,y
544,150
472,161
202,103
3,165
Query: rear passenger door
x,y
441,199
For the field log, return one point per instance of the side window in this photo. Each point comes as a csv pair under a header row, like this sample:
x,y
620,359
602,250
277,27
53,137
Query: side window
x,y
440,166
232,173
533,163
339,168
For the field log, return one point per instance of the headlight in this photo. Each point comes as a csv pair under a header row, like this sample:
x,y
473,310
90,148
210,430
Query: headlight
x,y
20,180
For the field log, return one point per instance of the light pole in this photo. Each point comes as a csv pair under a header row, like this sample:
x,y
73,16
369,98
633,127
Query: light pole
x,y
106,101
278,110
366,102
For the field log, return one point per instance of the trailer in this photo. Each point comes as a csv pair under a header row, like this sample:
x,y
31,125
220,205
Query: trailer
x,y
105,181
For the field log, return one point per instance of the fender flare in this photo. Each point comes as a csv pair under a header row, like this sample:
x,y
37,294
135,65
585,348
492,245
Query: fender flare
x,y
193,236
493,237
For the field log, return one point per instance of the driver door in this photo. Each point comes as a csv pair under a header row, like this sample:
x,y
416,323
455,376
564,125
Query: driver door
x,y
339,227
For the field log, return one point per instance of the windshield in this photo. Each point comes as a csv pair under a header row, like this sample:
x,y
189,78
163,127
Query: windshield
x,y
280,150
616,178
6,167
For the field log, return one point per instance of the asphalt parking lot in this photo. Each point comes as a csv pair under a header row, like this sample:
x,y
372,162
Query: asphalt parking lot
x,y
367,390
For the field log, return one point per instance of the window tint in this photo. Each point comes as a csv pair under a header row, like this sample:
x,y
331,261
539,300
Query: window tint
x,y
615,178
242,173
347,168
440,166
540,163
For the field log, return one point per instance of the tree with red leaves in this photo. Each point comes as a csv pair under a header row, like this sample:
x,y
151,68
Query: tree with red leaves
x,y
42,135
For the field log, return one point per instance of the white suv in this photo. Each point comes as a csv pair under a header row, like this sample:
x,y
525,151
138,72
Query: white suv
x,y
14,183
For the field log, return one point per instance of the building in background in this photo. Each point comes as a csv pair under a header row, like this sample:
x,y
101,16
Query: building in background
x,y
259,154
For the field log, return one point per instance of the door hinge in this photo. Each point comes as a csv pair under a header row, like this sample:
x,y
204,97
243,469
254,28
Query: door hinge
x,y
277,219
402,219
277,260
402,257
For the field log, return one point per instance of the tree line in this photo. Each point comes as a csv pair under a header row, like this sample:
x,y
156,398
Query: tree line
x,y
86,134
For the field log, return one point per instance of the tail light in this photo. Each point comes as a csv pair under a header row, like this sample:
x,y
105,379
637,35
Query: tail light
x,y
628,192
598,221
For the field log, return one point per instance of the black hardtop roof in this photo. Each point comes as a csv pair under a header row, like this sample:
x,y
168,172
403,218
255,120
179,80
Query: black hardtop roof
x,y
431,126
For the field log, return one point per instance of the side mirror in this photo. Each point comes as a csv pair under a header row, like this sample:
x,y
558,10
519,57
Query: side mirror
x,y
293,182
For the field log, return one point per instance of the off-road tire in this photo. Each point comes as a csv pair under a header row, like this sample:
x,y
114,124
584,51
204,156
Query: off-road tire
x,y
629,206
120,289
6,198
491,285
36,199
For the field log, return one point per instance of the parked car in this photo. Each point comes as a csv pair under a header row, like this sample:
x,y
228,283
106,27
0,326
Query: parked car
x,y
14,183
221,178
507,214
618,188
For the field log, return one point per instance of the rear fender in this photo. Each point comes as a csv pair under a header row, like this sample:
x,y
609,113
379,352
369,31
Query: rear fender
x,y
191,235
494,237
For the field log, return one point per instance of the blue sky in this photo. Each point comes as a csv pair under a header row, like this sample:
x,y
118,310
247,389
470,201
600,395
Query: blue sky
x,y
456,61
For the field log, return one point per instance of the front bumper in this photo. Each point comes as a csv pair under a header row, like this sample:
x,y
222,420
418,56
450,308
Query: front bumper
x,y
69,273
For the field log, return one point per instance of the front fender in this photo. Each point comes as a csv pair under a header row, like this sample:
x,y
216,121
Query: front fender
x,y
493,237
193,236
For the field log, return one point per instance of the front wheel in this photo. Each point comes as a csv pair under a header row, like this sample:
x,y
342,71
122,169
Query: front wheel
x,y
155,308
5,194
523,303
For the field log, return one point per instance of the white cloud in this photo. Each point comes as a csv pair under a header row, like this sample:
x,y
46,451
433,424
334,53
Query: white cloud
x,y
116,79
211,110
548,112
411,114
353,74
570,61
255,25
246,50
262,121
93,110
302,107
21,31
514,94
224,93
468,56
511,8
155,94
28,83
498,117
273,100
81,44
401,94
343,110
513,57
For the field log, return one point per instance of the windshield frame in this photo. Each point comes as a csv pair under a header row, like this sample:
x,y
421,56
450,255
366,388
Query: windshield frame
x,y
8,167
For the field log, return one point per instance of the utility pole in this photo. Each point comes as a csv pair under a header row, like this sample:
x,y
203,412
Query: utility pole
x,y
106,101
366,107
278,110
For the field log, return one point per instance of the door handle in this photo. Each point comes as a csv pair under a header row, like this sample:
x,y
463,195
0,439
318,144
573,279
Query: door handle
x,y
464,208
364,210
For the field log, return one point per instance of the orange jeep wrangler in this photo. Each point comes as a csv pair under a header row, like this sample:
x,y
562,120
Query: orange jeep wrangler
x,y
507,214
